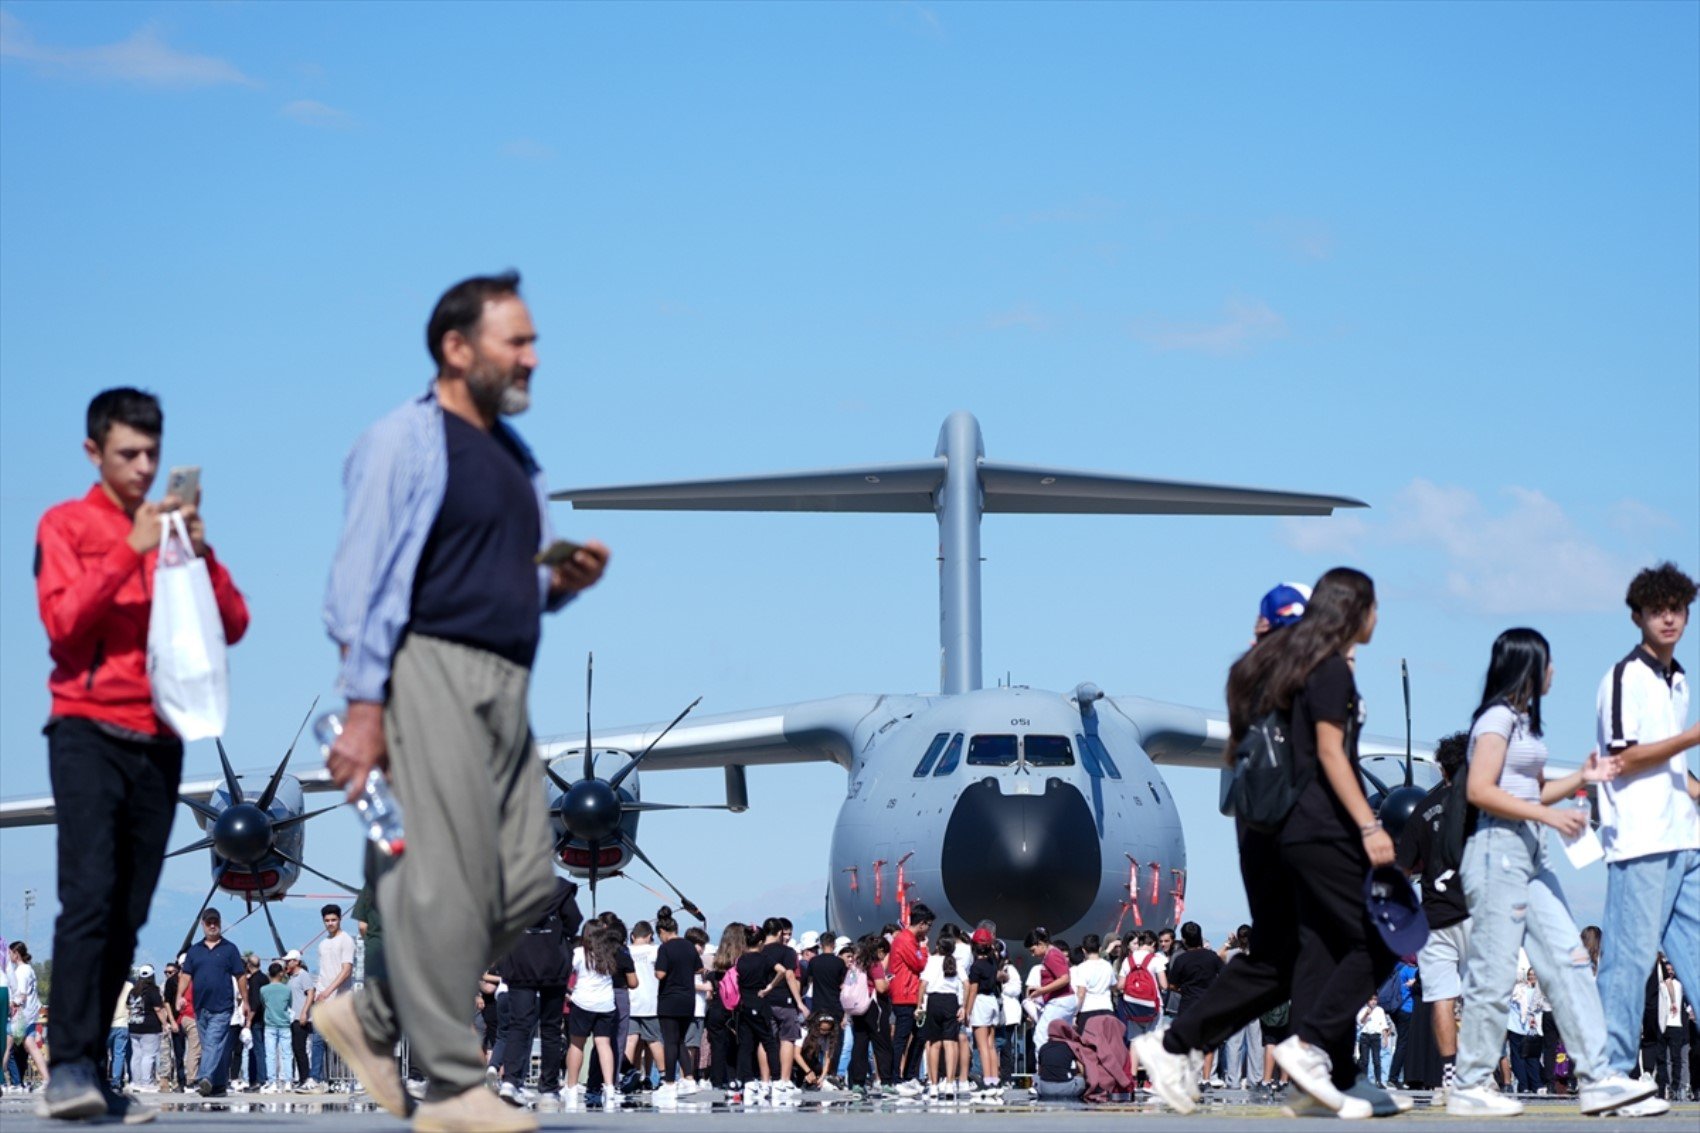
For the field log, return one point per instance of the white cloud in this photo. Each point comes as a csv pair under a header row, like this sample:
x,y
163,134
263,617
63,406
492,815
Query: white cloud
x,y
144,59
1244,323
310,113
1524,556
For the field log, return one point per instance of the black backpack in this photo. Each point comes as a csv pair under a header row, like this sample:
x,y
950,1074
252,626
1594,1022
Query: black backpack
x,y
1267,783
1445,859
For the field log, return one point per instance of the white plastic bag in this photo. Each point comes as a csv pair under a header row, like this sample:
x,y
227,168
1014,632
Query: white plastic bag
x,y
187,663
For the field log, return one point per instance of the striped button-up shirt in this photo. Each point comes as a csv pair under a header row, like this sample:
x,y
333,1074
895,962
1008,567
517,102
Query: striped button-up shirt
x,y
393,482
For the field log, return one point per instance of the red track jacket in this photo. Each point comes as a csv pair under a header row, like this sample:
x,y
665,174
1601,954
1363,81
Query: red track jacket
x,y
95,596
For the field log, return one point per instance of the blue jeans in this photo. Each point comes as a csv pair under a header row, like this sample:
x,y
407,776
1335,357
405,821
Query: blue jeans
x,y
215,1046
1651,902
118,1054
1515,901
315,1056
280,1055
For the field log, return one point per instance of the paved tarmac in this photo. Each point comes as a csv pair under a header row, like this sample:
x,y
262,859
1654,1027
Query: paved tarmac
x,y
1231,1110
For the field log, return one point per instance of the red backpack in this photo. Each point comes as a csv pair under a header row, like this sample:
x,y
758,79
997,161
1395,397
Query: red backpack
x,y
1140,990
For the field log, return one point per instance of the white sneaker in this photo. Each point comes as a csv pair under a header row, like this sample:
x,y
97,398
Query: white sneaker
x,y
1382,1103
1310,1071
685,1087
1613,1093
909,1089
1646,1107
828,1086
1173,1076
572,1097
666,1096
1479,1101
756,1093
612,1099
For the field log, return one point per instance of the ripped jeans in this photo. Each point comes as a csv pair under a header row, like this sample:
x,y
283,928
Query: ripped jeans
x,y
1514,901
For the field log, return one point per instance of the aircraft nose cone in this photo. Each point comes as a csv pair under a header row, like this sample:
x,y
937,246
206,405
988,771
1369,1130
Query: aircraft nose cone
x,y
242,834
591,810
1022,860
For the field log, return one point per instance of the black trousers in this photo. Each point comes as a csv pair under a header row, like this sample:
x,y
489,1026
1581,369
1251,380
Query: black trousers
x,y
298,1033
1262,979
722,1028
756,1028
871,1030
907,1048
673,1029
535,1009
1402,1029
1341,958
114,803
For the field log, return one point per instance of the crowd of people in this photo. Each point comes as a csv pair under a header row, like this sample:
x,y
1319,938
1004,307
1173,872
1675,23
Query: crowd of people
x,y
444,568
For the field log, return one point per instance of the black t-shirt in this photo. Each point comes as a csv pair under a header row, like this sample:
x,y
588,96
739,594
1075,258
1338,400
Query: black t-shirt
x,y
1192,972
623,967
1443,897
777,954
827,974
753,973
983,974
676,995
1056,1062
477,582
144,1005
1329,695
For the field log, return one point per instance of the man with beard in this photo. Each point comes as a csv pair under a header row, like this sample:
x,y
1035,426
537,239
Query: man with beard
x,y
435,598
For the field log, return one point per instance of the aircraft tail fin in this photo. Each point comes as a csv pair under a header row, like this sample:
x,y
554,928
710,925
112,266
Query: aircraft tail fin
x,y
871,488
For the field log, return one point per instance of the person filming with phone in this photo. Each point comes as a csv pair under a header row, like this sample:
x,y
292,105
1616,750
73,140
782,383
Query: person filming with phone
x,y
114,763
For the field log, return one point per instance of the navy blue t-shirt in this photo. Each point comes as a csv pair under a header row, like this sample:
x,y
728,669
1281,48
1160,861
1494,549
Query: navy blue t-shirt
x,y
212,969
477,578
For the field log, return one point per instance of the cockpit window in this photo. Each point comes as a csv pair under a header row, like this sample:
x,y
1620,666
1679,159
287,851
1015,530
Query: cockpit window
x,y
952,756
992,751
1093,752
923,768
1049,751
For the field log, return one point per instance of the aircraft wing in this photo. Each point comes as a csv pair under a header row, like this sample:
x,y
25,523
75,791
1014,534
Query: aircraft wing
x,y
1175,735
39,811
813,731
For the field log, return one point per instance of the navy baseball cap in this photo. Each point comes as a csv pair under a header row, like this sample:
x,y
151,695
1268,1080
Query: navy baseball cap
x,y
1284,605
1392,904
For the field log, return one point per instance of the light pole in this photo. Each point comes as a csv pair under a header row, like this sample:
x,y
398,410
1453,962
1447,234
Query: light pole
x,y
29,903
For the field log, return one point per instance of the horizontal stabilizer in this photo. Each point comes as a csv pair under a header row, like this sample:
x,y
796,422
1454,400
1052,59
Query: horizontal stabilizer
x,y
39,811
874,488
1029,489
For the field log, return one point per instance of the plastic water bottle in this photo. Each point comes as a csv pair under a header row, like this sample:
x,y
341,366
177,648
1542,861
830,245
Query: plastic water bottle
x,y
379,811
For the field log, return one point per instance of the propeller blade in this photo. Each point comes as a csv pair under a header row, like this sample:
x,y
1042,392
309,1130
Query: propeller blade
x,y
277,776
230,783
277,937
685,902
595,857
630,807
1405,675
285,824
294,861
189,937
557,780
201,809
1370,775
620,775
589,764
203,844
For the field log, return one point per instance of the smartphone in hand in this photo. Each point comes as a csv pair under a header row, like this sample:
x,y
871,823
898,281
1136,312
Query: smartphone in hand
x,y
184,482
557,553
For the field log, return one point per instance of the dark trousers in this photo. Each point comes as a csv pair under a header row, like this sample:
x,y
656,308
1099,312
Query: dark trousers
x,y
756,1028
871,1030
1402,1029
1369,1057
906,1045
1526,1062
1341,958
114,801
1262,979
298,1033
672,1047
535,1009
722,1028
257,1052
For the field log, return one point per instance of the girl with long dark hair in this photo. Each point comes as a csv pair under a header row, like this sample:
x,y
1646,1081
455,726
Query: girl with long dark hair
x,y
872,1028
676,967
1513,896
758,1051
596,961
722,1020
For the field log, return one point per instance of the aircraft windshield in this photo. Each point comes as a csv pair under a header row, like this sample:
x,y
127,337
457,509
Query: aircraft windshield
x,y
952,756
926,765
992,751
1049,751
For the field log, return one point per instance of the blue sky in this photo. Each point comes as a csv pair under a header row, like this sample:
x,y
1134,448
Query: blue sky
x,y
1439,257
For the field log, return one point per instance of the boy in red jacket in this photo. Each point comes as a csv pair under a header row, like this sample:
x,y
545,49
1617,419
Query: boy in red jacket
x,y
114,764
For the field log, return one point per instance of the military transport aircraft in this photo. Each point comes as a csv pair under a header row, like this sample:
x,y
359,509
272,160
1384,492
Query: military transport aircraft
x,y
1010,804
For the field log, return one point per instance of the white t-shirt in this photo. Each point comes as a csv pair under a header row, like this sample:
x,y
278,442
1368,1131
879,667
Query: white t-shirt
x,y
25,999
940,984
1525,752
1011,995
643,996
334,952
1374,1022
1649,811
701,980
1092,980
593,991
1670,1004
